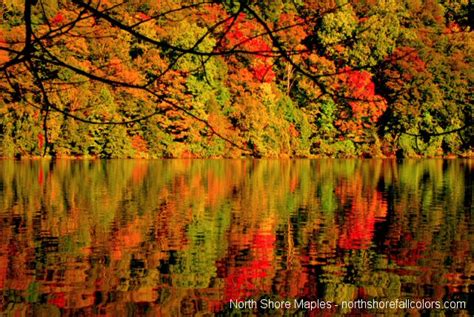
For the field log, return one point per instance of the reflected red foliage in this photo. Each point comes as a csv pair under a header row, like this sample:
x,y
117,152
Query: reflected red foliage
x,y
41,176
366,206
248,280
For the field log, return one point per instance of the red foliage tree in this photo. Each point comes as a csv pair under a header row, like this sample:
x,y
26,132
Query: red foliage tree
x,y
242,36
365,106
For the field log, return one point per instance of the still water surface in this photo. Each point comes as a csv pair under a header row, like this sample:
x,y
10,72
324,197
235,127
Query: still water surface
x,y
184,237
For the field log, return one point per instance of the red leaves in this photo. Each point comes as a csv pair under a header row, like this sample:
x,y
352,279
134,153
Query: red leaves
x,y
359,83
452,27
142,16
41,176
57,19
240,32
243,35
365,106
58,299
263,72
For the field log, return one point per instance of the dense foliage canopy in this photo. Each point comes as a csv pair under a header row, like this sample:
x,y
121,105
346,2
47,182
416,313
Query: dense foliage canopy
x,y
230,78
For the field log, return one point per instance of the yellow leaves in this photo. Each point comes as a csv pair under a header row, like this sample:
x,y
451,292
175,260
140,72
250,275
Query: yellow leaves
x,y
220,124
320,64
17,5
84,65
250,113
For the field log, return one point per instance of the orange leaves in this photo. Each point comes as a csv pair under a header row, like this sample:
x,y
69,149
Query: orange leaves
x,y
78,46
3,44
116,65
213,13
221,124
3,56
124,73
291,29
139,144
293,131
405,67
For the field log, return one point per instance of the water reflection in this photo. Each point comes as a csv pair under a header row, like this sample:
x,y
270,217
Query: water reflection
x,y
181,237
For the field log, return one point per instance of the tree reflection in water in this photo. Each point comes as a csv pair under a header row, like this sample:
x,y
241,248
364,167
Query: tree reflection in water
x,y
179,237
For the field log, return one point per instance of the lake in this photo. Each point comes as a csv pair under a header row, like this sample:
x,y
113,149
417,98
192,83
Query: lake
x,y
213,237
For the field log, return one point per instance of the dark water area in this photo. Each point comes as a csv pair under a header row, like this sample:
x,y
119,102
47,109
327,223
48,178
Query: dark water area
x,y
191,237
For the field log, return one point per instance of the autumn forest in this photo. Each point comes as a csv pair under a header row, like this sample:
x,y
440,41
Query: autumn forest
x,y
226,79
